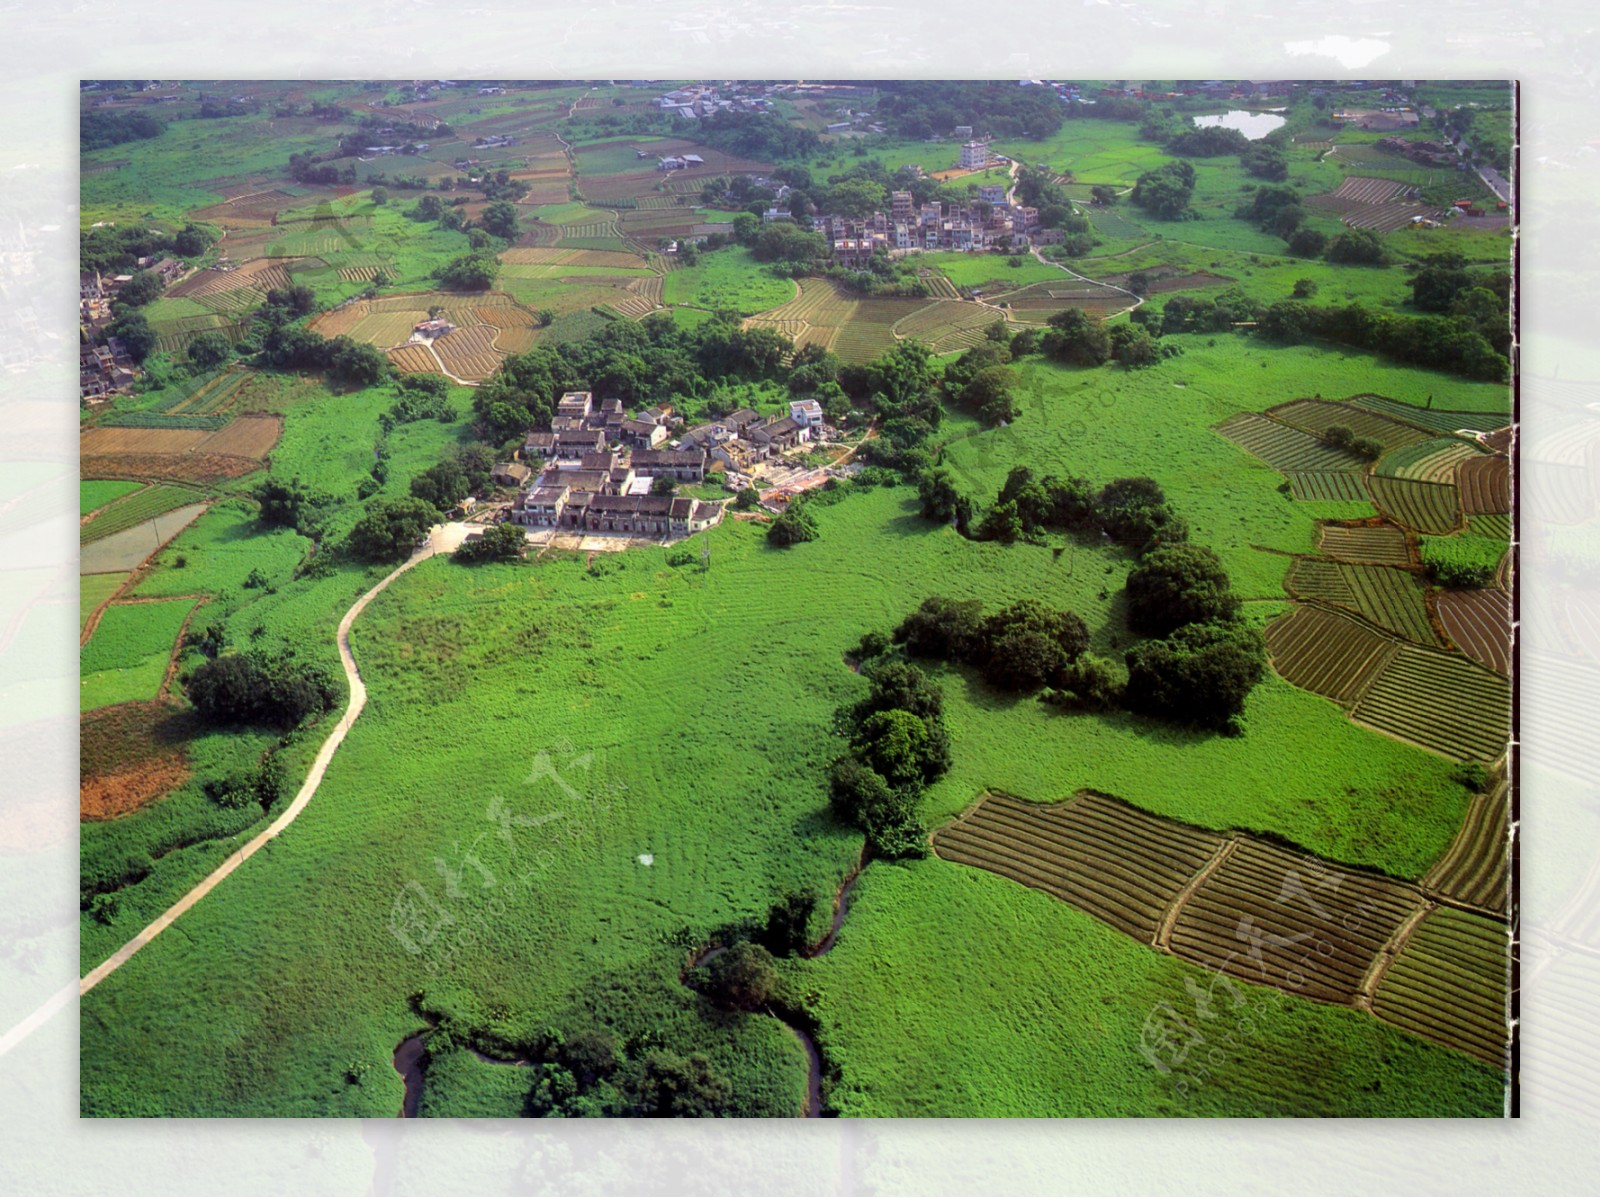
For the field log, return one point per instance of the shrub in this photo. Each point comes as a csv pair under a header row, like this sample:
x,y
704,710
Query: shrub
x,y
504,542
1176,585
1200,675
743,977
258,687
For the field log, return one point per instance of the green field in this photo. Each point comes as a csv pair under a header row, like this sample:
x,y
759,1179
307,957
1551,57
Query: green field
x,y
95,589
93,496
136,508
127,656
727,279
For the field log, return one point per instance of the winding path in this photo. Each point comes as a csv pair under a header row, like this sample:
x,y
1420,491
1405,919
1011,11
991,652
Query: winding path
x,y
443,538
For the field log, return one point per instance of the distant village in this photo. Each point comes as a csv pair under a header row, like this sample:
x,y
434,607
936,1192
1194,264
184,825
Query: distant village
x,y
105,368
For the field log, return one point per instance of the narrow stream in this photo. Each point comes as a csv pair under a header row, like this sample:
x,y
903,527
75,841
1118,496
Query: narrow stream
x,y
410,1052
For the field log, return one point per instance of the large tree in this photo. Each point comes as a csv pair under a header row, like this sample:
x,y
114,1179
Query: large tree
x,y
1176,585
390,529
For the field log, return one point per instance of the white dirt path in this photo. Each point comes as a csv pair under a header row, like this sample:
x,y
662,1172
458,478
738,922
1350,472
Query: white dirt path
x,y
442,539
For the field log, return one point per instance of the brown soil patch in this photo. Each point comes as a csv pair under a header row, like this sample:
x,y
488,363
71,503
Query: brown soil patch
x,y
130,755
246,436
192,467
139,440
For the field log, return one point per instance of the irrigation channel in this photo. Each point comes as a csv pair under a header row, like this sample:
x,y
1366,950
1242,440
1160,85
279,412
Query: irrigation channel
x,y
411,1054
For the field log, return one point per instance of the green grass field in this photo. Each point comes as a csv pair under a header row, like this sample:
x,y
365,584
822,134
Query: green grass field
x,y
94,495
95,589
127,656
727,279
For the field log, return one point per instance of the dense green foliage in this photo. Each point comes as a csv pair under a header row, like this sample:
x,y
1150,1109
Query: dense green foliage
x,y
258,687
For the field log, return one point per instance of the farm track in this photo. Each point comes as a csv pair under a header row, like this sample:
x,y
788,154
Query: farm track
x,y
1250,909
358,699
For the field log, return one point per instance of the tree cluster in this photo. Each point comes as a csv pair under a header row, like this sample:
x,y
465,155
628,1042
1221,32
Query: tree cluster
x,y
504,542
1448,343
257,686
1165,192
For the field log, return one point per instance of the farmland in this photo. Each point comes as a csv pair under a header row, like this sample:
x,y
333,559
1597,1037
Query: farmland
x,y
577,771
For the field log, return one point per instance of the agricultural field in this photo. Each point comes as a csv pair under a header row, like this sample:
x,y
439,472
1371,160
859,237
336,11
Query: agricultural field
x,y
125,659
544,823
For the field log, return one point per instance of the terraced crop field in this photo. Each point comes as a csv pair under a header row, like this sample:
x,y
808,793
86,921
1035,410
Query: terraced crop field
x,y
1371,544
1390,598
1426,507
1315,578
1267,914
542,256
1449,984
1327,653
1316,416
1432,461
1114,861
135,509
413,359
1479,622
1497,526
814,317
948,325
1440,701
469,353
1435,420
1485,485
1476,869
1284,447
385,329
1040,301
1327,486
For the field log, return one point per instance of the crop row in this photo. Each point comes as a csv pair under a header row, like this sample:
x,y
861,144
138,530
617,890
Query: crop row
x,y
413,359
1372,544
1475,870
1432,461
1485,485
469,353
1327,653
1368,191
1390,598
1450,983
1327,486
1386,218
1317,416
1442,702
1284,447
1120,864
1271,915
1496,526
1426,507
1435,420
1479,622
135,509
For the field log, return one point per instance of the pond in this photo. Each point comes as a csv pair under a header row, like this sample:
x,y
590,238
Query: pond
x,y
1254,125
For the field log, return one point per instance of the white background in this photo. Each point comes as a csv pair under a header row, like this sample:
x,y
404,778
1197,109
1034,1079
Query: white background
x,y
1549,45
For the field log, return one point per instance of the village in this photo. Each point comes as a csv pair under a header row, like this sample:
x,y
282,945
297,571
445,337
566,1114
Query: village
x,y
597,479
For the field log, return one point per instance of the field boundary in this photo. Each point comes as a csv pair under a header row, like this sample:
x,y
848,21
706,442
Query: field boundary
x,y
1163,937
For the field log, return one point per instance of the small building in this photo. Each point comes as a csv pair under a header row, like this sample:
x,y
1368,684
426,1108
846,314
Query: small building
x,y
642,434
806,412
974,155
686,465
539,445
511,474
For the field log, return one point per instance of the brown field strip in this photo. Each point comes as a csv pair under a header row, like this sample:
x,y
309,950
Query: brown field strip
x,y
1369,544
1440,701
1253,910
469,353
1475,869
1485,485
1479,622
1424,506
413,359
1332,655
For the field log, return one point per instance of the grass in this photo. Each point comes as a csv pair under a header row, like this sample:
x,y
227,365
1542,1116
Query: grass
x,y
727,279
127,656
94,495
992,272
134,509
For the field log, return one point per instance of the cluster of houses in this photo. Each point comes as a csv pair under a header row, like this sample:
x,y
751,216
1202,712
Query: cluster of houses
x,y
703,100
105,367
954,226
596,470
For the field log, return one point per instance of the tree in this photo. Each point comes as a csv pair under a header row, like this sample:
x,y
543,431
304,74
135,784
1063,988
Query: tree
x,y
746,499
902,374
788,928
942,501
1001,523
896,745
743,977
1307,243
441,487
1200,675
500,219
667,1086
380,196
795,525
664,484
1134,347
473,272
1165,192
207,350
191,241
1100,193
1028,644
138,291
943,629
356,362
135,334
989,396
1304,289
293,504
785,242
1176,585
390,529
1077,338
260,687
1358,247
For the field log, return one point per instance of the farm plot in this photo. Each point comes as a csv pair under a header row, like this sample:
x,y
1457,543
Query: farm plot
x,y
1485,485
506,341
135,509
122,551
126,657
871,328
1475,870
1114,861
1327,653
1313,578
1450,983
1433,419
1327,486
1039,302
815,316
544,256
1317,416
1426,507
948,325
469,353
1479,622
106,439
1271,915
1441,702
1391,599
244,437
385,329
1496,526
413,359
1284,447
1432,461
1369,544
